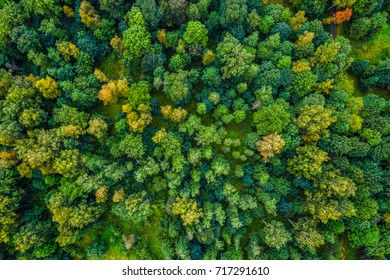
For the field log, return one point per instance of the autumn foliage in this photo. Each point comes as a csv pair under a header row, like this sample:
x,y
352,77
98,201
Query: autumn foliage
x,y
113,90
341,16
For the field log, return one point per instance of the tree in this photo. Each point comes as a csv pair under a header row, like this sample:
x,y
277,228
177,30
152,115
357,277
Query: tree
x,y
208,57
305,39
176,115
119,196
211,76
71,219
325,54
113,90
88,14
137,208
177,62
38,151
314,121
306,234
67,115
68,50
68,11
138,118
41,7
67,163
114,7
209,134
373,104
297,20
196,33
138,93
276,234
233,12
136,39
235,58
303,82
270,145
151,12
48,87
187,209
26,39
177,86
9,202
175,11
341,16
32,117
272,118
98,128
308,162
131,146
31,235
300,66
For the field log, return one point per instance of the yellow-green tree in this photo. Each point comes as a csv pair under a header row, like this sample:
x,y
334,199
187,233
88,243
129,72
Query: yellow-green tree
x,y
88,14
314,121
308,162
187,209
48,87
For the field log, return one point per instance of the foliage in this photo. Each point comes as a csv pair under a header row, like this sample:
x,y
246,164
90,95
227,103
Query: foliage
x,y
176,129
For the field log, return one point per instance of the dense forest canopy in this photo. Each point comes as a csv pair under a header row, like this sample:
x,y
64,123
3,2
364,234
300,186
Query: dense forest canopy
x,y
194,129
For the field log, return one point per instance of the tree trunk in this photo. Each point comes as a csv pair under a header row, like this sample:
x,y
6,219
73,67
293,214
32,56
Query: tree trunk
x,y
334,25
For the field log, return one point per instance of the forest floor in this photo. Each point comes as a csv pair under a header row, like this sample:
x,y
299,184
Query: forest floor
x,y
374,49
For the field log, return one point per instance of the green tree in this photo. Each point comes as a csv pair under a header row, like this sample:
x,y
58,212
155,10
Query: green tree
x,y
306,234
138,93
211,77
177,86
276,234
31,235
308,162
41,7
136,39
138,208
314,121
272,118
131,146
236,59
9,202
71,219
196,33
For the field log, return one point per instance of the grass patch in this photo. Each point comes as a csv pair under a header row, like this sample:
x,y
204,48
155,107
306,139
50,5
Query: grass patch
x,y
112,67
373,49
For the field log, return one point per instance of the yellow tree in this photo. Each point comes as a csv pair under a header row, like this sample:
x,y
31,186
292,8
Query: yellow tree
x,y
117,44
68,50
270,145
305,39
101,194
88,14
111,91
68,11
100,76
301,66
187,209
297,20
314,121
208,57
48,87
97,128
